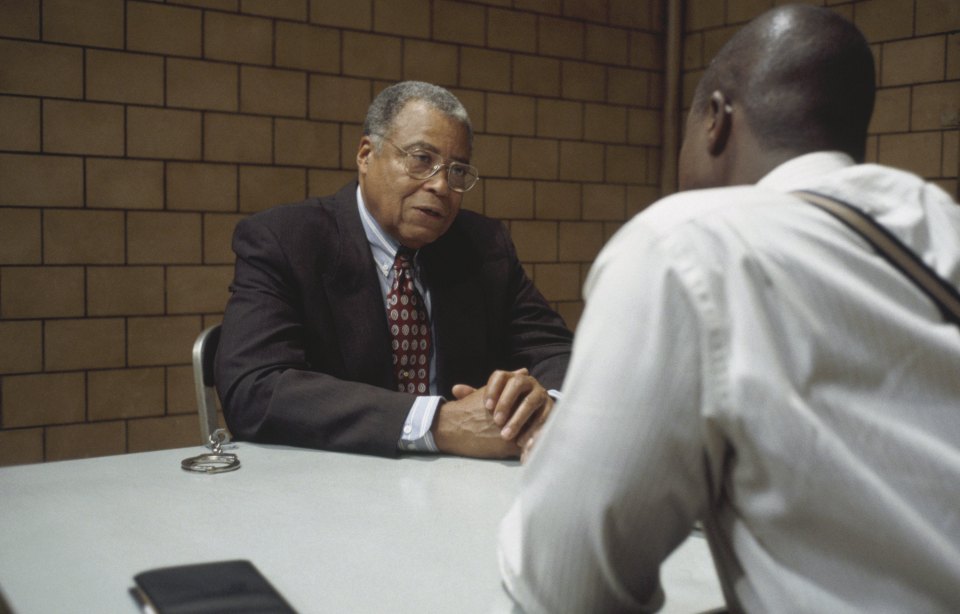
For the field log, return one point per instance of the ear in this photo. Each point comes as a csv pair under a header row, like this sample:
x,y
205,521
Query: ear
x,y
364,152
721,122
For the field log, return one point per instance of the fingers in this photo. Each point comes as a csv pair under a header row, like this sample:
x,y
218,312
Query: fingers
x,y
495,386
530,414
526,447
505,390
462,390
513,398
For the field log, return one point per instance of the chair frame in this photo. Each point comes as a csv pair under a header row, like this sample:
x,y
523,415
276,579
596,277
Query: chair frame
x,y
204,352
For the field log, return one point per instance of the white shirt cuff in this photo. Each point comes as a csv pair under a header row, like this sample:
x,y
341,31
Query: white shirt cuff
x,y
416,435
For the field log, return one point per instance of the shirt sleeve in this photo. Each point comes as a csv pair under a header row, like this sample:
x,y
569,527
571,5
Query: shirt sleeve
x,y
416,436
615,481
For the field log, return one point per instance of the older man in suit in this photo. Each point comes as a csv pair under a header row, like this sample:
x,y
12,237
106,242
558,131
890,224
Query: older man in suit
x,y
315,351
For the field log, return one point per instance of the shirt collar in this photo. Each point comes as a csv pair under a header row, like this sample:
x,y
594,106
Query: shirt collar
x,y
382,245
795,174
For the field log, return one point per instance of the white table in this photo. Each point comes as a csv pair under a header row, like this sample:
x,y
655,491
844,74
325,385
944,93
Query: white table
x,y
333,532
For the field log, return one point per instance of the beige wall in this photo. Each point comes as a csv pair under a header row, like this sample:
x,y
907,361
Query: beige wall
x,y
134,134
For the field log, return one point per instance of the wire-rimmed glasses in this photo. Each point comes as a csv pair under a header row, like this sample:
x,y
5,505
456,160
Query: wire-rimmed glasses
x,y
424,164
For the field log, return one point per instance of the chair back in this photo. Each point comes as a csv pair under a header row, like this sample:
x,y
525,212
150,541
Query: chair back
x,y
204,352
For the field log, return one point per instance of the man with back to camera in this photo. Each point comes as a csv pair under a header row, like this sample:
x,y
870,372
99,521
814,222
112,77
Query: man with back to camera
x,y
353,316
795,391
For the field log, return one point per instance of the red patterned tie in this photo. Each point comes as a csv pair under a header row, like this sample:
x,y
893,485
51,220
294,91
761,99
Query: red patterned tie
x,y
409,328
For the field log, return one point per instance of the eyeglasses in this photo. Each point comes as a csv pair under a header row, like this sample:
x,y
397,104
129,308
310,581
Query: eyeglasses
x,y
424,164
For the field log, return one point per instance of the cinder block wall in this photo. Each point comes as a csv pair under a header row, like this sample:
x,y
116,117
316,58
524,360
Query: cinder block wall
x,y
134,134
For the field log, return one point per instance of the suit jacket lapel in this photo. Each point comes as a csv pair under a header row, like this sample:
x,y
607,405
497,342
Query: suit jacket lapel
x,y
355,299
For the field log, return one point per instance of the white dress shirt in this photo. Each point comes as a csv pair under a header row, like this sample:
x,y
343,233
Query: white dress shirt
x,y
744,339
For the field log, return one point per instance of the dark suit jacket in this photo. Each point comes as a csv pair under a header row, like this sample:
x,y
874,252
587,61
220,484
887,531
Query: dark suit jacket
x,y
304,357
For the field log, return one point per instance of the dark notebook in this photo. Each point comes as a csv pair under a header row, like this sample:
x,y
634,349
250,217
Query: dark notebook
x,y
208,588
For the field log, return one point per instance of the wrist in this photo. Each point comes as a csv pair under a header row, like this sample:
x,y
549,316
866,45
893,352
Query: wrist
x,y
441,429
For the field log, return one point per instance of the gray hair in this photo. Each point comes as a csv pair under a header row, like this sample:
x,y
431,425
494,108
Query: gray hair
x,y
388,104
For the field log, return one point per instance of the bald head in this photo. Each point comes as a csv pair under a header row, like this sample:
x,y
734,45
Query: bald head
x,y
803,77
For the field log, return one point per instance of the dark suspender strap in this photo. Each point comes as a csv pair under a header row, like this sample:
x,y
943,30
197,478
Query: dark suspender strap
x,y
724,561
945,296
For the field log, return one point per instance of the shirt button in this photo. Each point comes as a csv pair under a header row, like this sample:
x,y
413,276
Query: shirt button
x,y
407,429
